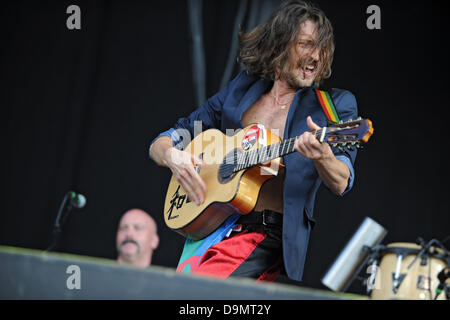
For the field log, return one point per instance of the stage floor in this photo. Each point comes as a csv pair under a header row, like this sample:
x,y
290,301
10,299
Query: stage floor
x,y
33,274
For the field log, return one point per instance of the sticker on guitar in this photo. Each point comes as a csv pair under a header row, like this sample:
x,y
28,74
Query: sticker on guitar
x,y
177,202
254,133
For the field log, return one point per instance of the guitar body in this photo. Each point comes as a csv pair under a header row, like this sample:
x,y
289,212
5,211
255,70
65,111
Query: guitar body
x,y
237,167
223,197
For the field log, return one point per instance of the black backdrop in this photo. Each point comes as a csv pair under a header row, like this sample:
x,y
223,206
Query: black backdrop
x,y
80,107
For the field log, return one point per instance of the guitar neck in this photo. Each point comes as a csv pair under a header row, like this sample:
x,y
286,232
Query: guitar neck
x,y
270,152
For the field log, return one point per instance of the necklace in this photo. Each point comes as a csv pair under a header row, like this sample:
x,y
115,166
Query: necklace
x,y
282,105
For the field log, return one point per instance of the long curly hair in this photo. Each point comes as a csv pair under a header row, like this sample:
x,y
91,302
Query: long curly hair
x,y
266,48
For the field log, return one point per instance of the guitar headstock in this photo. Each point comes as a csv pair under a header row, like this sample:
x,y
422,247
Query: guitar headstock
x,y
349,133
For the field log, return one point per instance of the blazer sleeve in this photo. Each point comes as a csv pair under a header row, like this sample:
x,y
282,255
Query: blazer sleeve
x,y
205,117
346,107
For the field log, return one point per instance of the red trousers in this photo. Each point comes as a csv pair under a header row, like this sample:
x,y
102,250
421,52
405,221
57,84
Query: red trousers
x,y
249,251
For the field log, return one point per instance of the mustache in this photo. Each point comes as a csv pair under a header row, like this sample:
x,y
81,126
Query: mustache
x,y
301,63
124,242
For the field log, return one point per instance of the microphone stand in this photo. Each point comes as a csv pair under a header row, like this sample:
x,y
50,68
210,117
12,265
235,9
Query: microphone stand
x,y
424,253
61,218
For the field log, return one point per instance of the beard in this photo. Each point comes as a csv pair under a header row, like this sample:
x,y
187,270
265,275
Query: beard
x,y
293,73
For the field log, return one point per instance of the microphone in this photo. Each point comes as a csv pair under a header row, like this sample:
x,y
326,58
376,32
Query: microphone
x,y
442,277
71,200
77,200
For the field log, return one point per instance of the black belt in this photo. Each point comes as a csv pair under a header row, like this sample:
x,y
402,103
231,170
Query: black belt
x,y
265,218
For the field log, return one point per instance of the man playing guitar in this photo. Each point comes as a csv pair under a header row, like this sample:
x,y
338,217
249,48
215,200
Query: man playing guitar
x,y
286,58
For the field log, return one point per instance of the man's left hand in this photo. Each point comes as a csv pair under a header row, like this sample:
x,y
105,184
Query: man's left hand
x,y
310,147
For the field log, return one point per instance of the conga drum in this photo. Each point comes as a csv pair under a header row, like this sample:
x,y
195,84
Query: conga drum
x,y
399,277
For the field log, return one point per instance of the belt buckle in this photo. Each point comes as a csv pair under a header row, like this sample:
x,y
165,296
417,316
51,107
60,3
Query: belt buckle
x,y
264,218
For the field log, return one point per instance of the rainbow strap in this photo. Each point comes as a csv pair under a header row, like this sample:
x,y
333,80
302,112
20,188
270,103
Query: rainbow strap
x,y
327,105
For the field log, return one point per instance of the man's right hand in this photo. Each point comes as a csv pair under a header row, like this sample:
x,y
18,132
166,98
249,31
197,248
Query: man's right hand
x,y
181,163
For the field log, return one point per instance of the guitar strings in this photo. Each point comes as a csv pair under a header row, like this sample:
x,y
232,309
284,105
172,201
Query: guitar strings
x,y
263,154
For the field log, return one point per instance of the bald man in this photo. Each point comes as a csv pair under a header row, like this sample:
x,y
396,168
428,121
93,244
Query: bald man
x,y
137,238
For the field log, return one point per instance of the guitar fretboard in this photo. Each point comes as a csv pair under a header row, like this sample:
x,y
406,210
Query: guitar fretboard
x,y
266,153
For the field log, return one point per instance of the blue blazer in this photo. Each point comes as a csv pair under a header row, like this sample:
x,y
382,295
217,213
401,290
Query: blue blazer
x,y
224,111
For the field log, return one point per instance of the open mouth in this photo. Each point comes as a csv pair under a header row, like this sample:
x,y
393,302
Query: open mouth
x,y
308,71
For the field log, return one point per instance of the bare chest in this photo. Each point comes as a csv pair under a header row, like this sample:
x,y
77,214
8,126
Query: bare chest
x,y
264,111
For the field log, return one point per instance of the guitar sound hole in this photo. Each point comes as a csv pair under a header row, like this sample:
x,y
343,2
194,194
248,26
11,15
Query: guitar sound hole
x,y
226,169
224,173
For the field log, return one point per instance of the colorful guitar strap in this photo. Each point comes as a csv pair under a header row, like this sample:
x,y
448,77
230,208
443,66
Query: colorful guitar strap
x,y
326,102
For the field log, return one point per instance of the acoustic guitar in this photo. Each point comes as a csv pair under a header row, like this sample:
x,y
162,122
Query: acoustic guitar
x,y
237,166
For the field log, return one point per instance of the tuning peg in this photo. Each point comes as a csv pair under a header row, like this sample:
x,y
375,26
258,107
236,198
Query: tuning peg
x,y
341,121
359,118
349,147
